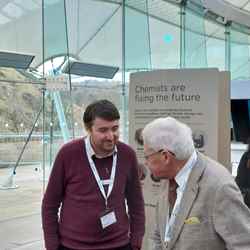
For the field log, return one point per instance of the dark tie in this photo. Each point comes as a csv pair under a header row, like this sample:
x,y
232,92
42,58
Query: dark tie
x,y
172,194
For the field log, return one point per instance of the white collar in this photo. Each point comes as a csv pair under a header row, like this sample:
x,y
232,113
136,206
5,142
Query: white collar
x,y
182,176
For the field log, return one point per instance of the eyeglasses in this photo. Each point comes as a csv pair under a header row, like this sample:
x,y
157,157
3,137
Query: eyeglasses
x,y
147,156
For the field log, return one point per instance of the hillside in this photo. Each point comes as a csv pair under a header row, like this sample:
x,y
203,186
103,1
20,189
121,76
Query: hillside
x,y
21,102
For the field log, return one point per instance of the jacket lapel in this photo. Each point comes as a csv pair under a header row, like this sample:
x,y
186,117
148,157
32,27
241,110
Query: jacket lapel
x,y
163,210
189,195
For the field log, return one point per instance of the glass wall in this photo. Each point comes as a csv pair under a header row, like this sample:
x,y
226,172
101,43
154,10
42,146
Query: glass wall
x,y
141,35
240,67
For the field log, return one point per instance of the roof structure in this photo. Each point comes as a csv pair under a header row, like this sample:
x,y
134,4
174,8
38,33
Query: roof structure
x,y
92,31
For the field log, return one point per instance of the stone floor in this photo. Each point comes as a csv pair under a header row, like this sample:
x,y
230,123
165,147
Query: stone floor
x,y
20,218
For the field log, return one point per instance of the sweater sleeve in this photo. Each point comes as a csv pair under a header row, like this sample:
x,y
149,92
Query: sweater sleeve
x,y
135,204
51,202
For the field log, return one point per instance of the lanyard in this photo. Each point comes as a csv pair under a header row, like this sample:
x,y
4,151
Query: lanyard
x,y
100,182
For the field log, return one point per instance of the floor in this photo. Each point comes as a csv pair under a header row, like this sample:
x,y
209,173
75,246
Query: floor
x,y
20,218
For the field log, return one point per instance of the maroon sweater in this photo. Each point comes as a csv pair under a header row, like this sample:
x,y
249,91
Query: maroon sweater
x,y
73,186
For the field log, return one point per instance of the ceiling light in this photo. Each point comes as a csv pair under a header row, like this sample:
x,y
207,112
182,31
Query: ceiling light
x,y
15,60
87,69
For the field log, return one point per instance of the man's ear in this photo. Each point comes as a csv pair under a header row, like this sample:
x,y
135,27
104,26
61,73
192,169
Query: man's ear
x,y
167,156
87,128
164,154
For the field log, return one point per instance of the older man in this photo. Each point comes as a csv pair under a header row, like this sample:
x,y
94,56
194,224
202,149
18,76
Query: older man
x,y
201,206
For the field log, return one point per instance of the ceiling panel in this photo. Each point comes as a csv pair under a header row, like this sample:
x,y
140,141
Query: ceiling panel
x,y
159,9
241,4
247,7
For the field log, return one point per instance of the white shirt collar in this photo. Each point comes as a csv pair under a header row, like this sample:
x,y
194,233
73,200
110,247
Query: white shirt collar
x,y
91,151
182,176
181,179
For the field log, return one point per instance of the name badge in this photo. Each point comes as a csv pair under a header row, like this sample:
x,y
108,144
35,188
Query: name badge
x,y
108,218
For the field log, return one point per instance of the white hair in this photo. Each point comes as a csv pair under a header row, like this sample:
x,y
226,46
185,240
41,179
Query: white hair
x,y
169,134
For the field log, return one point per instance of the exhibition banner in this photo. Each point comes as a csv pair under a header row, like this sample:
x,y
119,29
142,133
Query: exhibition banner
x,y
189,95
224,146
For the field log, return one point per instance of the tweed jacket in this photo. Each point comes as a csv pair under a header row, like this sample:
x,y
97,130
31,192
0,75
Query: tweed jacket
x,y
212,213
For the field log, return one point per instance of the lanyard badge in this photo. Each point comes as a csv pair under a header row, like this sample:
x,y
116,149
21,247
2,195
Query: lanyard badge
x,y
108,217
